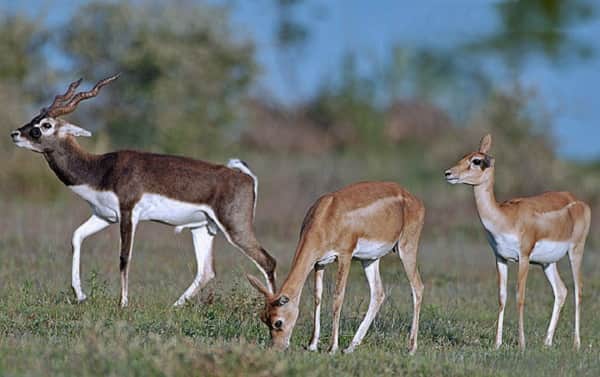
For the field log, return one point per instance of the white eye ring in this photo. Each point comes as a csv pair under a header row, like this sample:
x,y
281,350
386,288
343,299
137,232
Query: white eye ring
x,y
46,126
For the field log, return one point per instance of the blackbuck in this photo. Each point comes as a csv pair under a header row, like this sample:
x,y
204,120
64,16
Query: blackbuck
x,y
127,187
533,230
364,221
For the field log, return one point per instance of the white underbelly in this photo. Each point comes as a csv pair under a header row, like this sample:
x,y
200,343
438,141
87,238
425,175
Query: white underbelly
x,y
546,251
368,249
151,207
508,247
154,207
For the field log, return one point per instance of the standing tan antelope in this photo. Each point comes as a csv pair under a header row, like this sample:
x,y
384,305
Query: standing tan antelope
x,y
127,187
534,230
364,221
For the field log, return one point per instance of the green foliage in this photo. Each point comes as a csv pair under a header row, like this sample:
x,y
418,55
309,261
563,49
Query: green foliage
x,y
183,72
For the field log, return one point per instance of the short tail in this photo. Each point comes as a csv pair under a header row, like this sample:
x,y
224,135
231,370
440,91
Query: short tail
x,y
236,163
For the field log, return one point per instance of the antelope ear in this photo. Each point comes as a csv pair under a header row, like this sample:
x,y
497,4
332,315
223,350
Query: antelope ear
x,y
258,285
486,144
71,129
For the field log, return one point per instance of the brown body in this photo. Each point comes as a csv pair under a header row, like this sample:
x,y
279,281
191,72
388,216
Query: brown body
x,y
533,230
364,221
127,187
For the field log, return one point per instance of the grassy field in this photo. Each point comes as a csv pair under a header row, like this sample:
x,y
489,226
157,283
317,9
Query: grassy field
x,y
44,332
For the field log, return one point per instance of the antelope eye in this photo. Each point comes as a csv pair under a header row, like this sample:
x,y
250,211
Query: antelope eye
x,y
277,325
477,162
35,133
46,126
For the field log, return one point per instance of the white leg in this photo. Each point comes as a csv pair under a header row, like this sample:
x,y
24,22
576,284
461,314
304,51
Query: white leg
x,y
377,297
560,293
203,243
93,225
502,268
314,342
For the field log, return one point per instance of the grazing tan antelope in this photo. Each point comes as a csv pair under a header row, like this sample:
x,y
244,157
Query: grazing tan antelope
x,y
364,221
127,187
534,230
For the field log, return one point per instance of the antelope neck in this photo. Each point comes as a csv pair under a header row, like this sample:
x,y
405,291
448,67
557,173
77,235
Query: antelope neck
x,y
487,207
71,164
302,265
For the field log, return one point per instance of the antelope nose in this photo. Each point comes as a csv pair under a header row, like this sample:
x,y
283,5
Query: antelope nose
x,y
447,173
15,133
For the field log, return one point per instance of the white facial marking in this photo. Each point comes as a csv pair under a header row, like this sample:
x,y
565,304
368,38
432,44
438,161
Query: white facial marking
x,y
371,249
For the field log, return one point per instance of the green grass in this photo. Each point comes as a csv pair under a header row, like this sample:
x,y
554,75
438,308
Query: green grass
x,y
44,332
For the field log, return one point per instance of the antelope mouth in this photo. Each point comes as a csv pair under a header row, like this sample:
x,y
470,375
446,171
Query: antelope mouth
x,y
452,180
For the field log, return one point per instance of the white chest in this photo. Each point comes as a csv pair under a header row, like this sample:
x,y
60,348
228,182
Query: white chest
x,y
506,246
105,204
370,249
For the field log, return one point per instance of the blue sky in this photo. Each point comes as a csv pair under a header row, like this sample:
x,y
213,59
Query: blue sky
x,y
370,28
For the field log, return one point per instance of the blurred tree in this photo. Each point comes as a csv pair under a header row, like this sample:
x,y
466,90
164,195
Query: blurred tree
x,y
183,72
535,27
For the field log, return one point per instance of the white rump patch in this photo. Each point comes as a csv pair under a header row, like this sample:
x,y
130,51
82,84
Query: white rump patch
x,y
236,163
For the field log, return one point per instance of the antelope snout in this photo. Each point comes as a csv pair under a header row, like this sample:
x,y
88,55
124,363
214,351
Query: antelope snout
x,y
15,134
450,177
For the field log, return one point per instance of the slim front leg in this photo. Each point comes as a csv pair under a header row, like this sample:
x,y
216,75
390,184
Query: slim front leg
x,y
338,299
377,297
128,225
502,270
314,342
522,280
93,225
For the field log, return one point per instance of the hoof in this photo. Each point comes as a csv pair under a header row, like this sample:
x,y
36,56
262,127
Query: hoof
x,y
311,348
81,299
350,349
179,303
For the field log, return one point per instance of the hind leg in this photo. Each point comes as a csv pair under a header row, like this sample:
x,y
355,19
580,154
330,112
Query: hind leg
x,y
408,249
203,248
575,257
246,242
377,297
560,293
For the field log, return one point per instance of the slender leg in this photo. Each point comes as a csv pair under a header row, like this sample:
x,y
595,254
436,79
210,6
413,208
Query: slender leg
x,y
338,298
314,342
560,293
203,243
93,225
409,260
522,280
128,225
377,297
502,269
576,256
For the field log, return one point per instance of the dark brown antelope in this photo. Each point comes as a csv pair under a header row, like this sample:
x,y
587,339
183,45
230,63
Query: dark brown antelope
x,y
127,187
